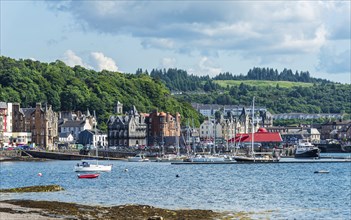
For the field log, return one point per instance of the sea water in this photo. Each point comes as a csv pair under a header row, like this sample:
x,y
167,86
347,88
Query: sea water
x,y
275,190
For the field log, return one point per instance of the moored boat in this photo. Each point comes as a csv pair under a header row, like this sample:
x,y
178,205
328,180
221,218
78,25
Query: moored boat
x,y
307,150
86,166
88,176
138,158
256,159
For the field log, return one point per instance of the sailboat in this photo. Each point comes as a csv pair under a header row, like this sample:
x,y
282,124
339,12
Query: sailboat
x,y
89,166
253,157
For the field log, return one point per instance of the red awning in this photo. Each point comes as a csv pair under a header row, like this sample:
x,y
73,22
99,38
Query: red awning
x,y
258,137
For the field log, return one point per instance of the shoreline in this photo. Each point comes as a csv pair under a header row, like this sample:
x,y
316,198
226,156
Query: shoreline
x,y
41,210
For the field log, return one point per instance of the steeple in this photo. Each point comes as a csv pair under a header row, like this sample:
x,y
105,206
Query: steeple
x,y
119,108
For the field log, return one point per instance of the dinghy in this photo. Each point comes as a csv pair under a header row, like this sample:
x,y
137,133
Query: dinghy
x,y
321,171
88,176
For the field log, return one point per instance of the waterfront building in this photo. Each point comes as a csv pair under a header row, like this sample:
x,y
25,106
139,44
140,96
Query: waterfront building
x,y
75,122
163,128
3,122
211,130
292,134
340,130
90,138
127,130
264,117
41,122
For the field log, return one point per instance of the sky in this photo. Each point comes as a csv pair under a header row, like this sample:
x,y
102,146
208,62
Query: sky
x,y
201,37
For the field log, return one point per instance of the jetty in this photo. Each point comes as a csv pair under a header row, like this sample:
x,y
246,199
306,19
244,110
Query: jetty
x,y
66,155
282,160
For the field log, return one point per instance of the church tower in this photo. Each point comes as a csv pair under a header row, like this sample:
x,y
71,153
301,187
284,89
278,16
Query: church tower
x,y
119,108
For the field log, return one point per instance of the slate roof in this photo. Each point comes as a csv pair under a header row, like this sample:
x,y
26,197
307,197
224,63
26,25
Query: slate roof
x,y
73,124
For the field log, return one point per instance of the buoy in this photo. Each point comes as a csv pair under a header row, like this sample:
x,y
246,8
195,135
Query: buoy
x,y
40,174
177,175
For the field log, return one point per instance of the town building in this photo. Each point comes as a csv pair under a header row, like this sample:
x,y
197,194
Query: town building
x,y
127,129
339,130
292,134
40,122
93,138
163,129
75,122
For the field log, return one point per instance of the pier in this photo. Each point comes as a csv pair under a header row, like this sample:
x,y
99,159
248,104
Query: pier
x,y
282,160
63,155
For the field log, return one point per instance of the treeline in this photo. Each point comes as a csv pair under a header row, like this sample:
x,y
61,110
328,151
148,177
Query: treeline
x,y
70,89
322,96
270,74
180,80
318,98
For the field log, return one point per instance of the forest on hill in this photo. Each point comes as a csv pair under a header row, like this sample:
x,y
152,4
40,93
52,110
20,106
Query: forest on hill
x,y
283,92
70,89
76,88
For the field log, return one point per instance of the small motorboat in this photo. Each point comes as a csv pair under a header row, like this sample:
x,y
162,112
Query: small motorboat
x,y
321,171
88,176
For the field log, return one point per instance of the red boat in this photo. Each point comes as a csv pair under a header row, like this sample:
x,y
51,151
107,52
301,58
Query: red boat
x,y
88,176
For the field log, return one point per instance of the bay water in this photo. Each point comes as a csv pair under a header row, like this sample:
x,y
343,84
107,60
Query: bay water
x,y
266,191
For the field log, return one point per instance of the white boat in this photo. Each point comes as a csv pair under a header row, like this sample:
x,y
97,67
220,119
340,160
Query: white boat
x,y
87,166
138,158
306,149
207,158
171,158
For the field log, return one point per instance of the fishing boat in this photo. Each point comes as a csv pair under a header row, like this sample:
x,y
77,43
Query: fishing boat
x,y
92,165
88,176
305,149
252,156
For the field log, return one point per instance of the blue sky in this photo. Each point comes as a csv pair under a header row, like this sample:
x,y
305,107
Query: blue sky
x,y
201,37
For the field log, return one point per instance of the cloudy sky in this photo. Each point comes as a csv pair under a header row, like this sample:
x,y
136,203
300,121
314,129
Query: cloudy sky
x,y
201,37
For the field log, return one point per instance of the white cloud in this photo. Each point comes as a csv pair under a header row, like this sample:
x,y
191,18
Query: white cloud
x,y
280,31
207,67
71,59
167,62
101,62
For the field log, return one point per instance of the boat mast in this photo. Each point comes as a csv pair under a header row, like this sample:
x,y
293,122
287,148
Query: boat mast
x,y
252,132
94,139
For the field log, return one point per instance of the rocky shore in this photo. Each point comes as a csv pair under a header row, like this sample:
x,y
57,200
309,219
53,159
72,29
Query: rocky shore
x,y
40,210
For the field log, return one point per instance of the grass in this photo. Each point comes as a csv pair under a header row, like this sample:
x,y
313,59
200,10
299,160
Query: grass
x,y
262,83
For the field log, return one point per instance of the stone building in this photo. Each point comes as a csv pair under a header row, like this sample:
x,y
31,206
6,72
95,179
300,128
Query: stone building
x,y
163,129
127,130
44,126
339,130
3,122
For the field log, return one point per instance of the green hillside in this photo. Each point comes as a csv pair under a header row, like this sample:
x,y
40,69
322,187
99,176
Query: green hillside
x,y
70,89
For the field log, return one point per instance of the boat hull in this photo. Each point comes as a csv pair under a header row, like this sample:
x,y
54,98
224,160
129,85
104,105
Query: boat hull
x,y
88,176
255,160
313,153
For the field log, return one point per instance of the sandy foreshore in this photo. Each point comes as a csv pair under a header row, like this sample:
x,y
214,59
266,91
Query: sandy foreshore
x,y
48,210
